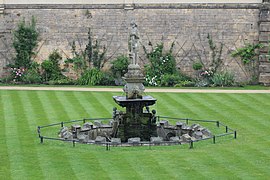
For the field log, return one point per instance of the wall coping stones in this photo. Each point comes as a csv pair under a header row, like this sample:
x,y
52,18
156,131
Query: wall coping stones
x,y
124,1
137,6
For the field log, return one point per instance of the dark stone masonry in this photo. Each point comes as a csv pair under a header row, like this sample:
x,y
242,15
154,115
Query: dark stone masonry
x,y
186,24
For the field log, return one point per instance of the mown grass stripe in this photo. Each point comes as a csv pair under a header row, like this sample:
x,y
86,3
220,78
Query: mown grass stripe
x,y
57,165
29,125
81,111
39,115
115,170
35,100
211,168
258,111
172,107
70,109
181,165
94,106
243,166
147,168
107,101
100,106
14,134
203,106
258,159
85,157
27,135
5,159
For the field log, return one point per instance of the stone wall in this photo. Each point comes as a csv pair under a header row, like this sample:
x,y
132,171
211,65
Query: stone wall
x,y
264,37
186,24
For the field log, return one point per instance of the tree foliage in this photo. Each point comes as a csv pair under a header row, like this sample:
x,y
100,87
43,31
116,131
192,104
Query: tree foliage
x,y
24,43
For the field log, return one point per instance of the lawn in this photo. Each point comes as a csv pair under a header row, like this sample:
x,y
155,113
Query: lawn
x,y
23,157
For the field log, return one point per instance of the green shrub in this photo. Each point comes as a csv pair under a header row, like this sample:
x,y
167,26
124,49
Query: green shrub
x,y
24,43
197,66
223,79
51,69
120,66
169,79
107,79
6,79
174,79
31,76
78,62
90,77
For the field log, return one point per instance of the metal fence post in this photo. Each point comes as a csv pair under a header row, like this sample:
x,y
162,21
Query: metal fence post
x,y
62,124
38,130
187,121
107,146
191,145
73,142
214,139
41,139
226,129
217,123
235,134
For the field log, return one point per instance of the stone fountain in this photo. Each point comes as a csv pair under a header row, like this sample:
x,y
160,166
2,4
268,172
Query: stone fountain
x,y
135,122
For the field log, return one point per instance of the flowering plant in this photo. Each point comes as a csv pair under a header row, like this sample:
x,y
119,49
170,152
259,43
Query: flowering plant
x,y
160,63
152,81
17,73
207,73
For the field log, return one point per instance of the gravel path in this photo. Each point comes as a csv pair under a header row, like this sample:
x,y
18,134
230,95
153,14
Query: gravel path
x,y
120,89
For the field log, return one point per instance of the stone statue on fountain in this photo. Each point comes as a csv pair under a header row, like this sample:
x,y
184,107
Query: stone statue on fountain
x,y
134,77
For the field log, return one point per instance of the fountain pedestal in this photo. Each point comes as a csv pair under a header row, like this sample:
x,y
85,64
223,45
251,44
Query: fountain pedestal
x,y
135,122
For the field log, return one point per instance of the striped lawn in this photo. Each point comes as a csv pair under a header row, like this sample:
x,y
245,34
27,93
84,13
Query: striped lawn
x,y
23,157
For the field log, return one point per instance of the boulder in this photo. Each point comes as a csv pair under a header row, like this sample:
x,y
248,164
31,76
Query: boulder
x,y
135,140
116,141
186,138
62,131
83,138
98,123
67,135
100,139
206,132
198,135
156,140
175,139
195,127
88,125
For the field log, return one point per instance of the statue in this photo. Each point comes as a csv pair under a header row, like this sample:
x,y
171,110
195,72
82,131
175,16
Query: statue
x,y
134,43
134,77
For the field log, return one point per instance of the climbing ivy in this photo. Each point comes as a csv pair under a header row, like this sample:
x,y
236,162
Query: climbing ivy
x,y
247,53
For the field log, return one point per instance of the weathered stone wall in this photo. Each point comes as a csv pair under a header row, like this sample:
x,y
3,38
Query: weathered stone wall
x,y
264,37
186,24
